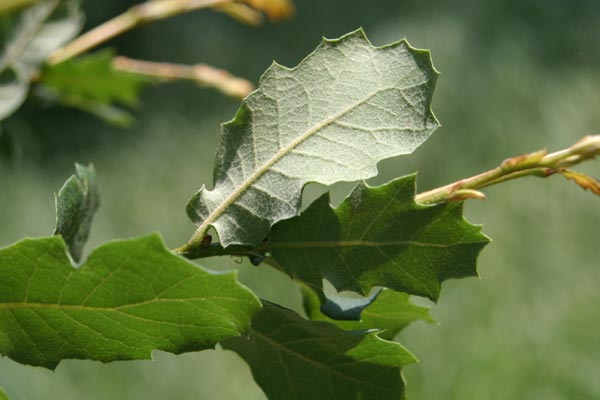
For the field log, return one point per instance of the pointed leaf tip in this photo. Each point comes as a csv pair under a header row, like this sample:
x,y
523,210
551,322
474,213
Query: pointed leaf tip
x,y
291,357
378,236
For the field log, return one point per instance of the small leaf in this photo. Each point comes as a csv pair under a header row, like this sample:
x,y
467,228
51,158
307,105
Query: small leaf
x,y
332,118
129,298
76,204
27,39
378,236
292,358
3,394
582,180
390,312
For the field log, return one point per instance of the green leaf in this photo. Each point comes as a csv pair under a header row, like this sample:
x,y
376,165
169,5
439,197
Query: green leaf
x,y
76,204
390,312
3,394
90,82
27,39
378,236
292,358
332,118
129,298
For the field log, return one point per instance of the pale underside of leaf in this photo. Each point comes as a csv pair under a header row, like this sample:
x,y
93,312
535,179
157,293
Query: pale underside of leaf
x,y
129,298
332,118
390,311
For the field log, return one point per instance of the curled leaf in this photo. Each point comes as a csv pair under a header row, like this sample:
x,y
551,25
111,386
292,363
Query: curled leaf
x,y
582,180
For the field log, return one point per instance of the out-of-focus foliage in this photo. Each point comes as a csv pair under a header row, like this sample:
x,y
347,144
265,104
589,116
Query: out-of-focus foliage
x,y
91,83
275,9
27,38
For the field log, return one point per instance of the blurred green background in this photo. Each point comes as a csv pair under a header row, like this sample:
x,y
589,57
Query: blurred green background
x,y
516,76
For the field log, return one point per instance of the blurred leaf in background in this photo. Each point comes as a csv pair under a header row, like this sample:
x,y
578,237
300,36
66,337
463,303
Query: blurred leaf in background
x,y
27,39
91,83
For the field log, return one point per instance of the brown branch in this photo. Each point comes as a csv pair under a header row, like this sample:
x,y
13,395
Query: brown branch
x,y
135,16
202,74
539,163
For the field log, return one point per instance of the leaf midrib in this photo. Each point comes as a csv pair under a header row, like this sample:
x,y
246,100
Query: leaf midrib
x,y
318,364
357,243
50,306
280,154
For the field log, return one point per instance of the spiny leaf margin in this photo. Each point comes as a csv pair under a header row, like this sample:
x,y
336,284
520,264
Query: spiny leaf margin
x,y
291,357
424,244
243,206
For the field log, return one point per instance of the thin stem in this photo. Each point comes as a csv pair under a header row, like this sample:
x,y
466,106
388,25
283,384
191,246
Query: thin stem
x,y
242,13
135,16
202,74
539,163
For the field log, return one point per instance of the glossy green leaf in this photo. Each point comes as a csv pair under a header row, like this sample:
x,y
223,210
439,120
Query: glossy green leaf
x,y
92,84
129,298
390,312
332,118
26,39
378,236
76,204
292,358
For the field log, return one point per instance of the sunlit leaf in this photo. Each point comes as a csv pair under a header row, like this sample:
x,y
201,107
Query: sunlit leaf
x,y
332,118
129,298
